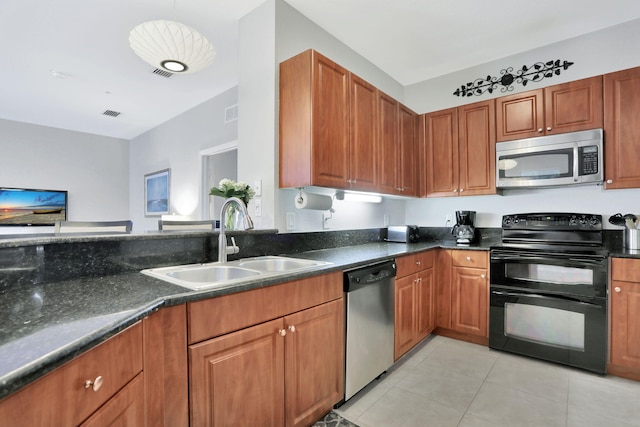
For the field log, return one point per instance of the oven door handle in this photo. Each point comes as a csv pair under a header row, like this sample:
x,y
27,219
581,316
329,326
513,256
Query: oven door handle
x,y
552,298
548,258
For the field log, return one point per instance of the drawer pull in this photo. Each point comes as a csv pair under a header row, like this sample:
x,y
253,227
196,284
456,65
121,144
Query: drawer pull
x,y
617,289
292,328
418,262
95,384
482,276
468,258
282,332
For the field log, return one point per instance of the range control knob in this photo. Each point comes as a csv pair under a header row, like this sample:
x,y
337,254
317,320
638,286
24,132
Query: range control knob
x,y
594,220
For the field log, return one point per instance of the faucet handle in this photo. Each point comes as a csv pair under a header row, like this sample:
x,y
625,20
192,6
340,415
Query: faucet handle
x,y
233,249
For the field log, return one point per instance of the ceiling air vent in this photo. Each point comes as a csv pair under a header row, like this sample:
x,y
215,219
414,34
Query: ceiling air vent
x,y
162,73
111,113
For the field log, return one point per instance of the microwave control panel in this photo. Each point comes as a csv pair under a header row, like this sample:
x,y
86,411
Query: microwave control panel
x,y
588,160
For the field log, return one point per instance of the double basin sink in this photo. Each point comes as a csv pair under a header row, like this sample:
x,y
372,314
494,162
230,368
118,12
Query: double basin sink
x,y
211,275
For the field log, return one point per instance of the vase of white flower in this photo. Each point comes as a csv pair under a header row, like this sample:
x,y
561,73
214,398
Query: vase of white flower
x,y
228,188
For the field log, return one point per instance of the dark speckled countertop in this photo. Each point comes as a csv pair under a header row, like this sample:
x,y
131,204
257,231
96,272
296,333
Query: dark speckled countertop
x,y
44,324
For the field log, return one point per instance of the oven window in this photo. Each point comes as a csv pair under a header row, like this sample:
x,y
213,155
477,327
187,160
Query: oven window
x,y
549,274
545,325
550,164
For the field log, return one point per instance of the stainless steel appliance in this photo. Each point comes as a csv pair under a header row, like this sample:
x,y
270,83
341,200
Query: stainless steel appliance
x,y
564,159
369,295
403,233
464,231
548,289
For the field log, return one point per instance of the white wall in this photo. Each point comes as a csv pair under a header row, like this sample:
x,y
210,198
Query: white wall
x,y
176,144
593,54
93,169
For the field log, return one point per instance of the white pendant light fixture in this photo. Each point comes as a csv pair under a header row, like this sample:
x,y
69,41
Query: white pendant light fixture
x,y
171,46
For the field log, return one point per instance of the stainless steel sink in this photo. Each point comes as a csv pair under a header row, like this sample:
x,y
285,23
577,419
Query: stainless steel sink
x,y
207,276
212,273
278,264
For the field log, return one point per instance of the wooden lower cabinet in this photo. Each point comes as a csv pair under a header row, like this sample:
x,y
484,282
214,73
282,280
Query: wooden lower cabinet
x,y
64,397
463,295
414,301
283,372
625,318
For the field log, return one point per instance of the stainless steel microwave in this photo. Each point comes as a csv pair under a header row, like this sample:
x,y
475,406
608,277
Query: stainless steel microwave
x,y
547,161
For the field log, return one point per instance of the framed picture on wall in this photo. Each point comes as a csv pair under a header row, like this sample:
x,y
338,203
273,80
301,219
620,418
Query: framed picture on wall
x,y
157,188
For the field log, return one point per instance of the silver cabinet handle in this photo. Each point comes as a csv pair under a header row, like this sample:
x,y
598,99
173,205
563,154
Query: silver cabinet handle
x,y
95,384
282,332
468,258
609,181
617,289
292,328
540,129
549,128
482,276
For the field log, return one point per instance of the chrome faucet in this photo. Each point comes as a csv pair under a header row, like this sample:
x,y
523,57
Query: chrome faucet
x,y
223,249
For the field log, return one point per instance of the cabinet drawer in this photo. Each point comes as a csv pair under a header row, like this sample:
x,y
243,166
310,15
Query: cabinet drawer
x,y
474,259
60,398
217,316
625,269
410,264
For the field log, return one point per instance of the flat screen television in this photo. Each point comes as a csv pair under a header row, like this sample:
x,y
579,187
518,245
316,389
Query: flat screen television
x,y
23,206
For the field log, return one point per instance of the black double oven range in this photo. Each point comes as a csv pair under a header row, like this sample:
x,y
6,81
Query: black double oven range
x,y
548,289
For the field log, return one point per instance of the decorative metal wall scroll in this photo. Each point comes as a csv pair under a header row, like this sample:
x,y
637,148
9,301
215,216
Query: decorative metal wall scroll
x,y
535,73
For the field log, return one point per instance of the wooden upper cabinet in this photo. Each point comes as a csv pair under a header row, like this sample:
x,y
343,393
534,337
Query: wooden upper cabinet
x,y
621,129
407,166
441,140
460,150
330,165
314,122
363,144
388,148
477,146
562,108
520,115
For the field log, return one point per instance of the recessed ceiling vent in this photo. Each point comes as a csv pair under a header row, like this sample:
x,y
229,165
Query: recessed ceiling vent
x,y
111,113
162,73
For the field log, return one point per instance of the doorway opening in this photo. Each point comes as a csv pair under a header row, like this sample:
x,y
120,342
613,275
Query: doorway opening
x,y
217,163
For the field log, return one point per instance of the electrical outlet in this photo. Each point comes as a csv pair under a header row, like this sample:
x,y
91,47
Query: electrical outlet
x,y
257,187
326,216
448,219
258,206
291,221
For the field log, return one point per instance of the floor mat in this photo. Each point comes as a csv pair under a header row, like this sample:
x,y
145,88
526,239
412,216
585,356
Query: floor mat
x,y
334,420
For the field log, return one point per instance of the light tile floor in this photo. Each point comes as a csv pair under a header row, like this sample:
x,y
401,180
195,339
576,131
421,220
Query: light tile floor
x,y
444,382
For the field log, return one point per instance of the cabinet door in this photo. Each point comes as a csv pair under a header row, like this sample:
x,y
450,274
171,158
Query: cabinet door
x,y
126,408
407,165
441,134
405,315
314,368
573,106
625,324
443,289
231,370
363,151
425,311
330,165
477,146
520,115
621,128
388,134
469,300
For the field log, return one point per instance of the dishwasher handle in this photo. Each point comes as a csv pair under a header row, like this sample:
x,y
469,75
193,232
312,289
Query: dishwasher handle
x,y
369,275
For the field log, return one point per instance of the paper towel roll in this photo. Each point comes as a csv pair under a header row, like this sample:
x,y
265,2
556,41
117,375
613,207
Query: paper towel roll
x,y
313,201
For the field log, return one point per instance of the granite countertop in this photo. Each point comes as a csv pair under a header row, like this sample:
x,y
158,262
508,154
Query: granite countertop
x,y
44,326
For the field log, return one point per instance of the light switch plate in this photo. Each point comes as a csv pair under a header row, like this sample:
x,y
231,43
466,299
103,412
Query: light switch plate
x,y
258,206
291,221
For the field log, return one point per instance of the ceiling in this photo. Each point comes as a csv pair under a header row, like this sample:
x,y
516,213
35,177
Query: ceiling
x,y
67,61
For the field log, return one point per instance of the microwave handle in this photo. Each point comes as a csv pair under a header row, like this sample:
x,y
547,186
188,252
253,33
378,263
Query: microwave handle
x,y
576,162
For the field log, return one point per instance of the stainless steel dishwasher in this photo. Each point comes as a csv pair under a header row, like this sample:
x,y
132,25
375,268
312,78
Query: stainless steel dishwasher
x,y
369,295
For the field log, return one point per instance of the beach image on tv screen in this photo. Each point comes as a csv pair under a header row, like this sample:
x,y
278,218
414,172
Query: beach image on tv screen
x,y
32,207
